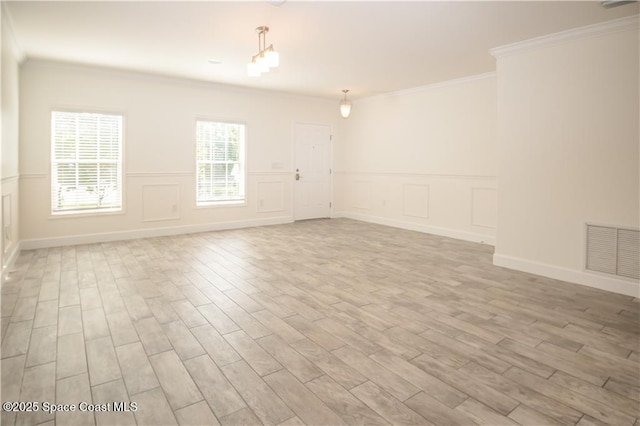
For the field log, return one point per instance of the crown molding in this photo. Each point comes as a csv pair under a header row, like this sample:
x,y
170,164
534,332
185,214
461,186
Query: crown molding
x,y
7,21
609,27
428,87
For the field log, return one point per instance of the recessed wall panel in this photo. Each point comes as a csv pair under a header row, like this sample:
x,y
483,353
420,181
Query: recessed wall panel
x,y
160,202
270,197
6,222
361,195
415,200
484,207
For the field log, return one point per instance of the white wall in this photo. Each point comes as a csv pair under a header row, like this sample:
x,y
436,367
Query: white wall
x,y
568,150
423,159
9,233
159,153
557,125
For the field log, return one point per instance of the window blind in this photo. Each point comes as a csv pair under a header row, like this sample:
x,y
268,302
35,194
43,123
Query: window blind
x,y
220,162
86,162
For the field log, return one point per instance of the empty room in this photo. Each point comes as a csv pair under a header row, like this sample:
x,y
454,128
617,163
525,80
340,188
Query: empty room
x,y
289,212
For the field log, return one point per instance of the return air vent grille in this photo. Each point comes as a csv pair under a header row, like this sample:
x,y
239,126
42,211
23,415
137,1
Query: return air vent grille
x,y
613,250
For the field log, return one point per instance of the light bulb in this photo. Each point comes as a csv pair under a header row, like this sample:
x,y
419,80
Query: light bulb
x,y
345,109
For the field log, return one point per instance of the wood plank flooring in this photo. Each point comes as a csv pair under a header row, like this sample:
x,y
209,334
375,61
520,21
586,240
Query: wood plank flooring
x,y
321,322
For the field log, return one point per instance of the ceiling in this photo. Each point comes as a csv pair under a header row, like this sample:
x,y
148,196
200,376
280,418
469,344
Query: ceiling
x,y
370,47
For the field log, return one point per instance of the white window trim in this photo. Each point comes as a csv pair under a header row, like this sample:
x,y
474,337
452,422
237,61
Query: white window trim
x,y
221,204
68,214
76,214
225,203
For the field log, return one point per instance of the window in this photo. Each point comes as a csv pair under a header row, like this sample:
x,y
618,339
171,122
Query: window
x,y
219,162
86,162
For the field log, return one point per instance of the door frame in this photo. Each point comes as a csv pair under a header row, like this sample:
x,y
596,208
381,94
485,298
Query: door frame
x,y
293,164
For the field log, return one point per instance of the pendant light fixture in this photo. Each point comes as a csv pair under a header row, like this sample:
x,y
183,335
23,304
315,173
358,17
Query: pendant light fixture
x,y
345,105
266,58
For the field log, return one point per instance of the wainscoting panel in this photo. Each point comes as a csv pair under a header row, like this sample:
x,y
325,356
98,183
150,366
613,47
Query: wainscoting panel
x,y
10,221
415,200
484,203
361,195
270,196
156,203
7,226
460,206
160,202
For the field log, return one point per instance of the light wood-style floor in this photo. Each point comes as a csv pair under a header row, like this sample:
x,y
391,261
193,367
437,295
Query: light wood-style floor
x,y
322,322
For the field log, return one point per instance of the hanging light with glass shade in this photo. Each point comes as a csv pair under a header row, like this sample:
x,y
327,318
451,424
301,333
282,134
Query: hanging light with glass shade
x,y
345,105
266,58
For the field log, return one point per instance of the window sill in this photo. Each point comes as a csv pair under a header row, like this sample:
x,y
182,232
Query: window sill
x,y
210,204
87,213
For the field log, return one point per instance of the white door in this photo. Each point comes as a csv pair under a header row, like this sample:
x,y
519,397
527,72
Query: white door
x,y
312,171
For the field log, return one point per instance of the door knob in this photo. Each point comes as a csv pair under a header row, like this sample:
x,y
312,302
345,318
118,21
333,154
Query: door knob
x,y
297,174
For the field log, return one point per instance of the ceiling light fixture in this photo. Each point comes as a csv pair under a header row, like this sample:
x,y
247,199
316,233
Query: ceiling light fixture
x,y
266,58
345,105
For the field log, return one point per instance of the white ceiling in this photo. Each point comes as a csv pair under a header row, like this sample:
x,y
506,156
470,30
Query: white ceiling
x,y
370,47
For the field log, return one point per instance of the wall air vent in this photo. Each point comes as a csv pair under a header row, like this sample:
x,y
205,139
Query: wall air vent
x,y
613,250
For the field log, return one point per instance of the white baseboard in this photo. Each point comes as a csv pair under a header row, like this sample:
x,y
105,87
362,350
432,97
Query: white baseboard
x,y
427,229
601,282
149,233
